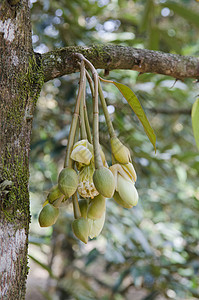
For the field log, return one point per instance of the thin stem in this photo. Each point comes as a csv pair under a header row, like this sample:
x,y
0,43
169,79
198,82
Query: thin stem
x,y
76,139
88,130
82,120
90,83
106,80
68,160
76,209
96,146
85,108
106,113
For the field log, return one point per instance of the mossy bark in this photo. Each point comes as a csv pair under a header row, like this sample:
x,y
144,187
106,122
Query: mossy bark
x,y
60,62
21,78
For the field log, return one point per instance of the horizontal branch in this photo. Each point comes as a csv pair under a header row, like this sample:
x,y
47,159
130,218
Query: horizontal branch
x,y
109,57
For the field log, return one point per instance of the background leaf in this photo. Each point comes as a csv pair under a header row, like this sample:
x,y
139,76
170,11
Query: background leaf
x,y
195,121
184,12
138,110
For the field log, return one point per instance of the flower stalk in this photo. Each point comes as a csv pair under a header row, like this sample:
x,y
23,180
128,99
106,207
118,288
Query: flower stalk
x,y
106,113
96,146
68,161
76,209
82,117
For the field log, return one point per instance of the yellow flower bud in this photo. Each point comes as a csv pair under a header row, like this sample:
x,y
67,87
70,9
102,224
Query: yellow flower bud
x,y
127,191
82,152
120,152
80,229
121,202
97,207
129,169
68,181
48,215
104,182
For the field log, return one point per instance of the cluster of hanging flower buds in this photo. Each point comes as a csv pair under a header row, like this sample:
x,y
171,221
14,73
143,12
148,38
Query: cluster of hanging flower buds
x,y
86,177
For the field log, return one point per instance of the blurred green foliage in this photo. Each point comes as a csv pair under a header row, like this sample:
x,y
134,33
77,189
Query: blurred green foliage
x,y
153,247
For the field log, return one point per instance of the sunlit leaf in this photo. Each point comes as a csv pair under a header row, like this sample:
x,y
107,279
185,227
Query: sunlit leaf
x,y
138,110
195,121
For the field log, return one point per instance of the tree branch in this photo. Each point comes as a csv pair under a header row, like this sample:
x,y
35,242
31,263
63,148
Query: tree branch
x,y
61,62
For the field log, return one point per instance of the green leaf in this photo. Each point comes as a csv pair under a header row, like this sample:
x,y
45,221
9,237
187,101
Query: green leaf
x,y
195,121
138,110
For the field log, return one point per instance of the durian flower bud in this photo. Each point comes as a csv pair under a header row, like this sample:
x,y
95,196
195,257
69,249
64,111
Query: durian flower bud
x,y
121,202
129,169
80,229
86,186
83,205
48,215
97,207
82,152
96,226
54,194
104,182
127,191
68,181
120,152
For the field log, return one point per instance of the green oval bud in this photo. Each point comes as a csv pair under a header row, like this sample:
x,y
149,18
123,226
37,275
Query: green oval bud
x,y
48,215
83,205
54,194
104,182
81,229
121,202
97,207
68,181
120,152
127,191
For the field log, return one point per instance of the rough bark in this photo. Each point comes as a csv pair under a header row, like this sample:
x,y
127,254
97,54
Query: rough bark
x,y
61,62
20,83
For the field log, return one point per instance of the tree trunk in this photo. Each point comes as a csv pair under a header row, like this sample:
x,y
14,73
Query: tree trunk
x,y
20,83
